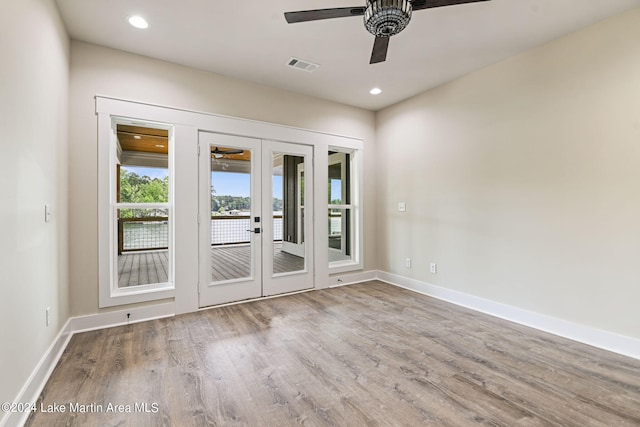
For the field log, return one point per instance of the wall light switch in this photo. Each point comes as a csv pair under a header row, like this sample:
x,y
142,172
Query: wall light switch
x,y
47,213
402,207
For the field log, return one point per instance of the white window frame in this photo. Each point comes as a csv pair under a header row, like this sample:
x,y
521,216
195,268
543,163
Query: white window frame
x,y
355,181
109,293
187,124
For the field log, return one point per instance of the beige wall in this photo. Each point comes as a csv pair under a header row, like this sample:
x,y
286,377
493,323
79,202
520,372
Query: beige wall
x,y
103,71
522,180
33,171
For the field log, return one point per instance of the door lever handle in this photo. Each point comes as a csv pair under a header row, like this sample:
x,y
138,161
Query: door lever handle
x,y
256,230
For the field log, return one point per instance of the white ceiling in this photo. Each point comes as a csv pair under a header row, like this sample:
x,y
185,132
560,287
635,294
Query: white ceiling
x,y
251,40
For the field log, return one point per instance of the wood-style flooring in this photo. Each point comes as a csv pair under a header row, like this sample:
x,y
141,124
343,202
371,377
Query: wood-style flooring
x,y
362,355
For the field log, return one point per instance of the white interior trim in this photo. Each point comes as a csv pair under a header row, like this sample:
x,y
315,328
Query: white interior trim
x,y
356,262
109,292
39,377
111,319
344,279
615,343
186,125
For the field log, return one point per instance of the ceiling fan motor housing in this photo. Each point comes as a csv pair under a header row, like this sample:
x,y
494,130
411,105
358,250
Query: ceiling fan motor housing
x,y
385,18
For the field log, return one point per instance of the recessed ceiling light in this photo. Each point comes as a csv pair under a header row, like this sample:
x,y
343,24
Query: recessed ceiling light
x,y
137,137
138,22
375,91
159,146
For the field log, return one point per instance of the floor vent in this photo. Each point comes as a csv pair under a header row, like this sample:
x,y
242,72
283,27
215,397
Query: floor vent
x,y
303,65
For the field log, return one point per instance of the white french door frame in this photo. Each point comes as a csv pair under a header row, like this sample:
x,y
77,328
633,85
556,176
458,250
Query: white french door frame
x,y
262,279
187,124
279,283
237,289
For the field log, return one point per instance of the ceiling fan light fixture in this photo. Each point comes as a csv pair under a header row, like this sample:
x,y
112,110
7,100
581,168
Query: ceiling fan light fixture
x,y
385,18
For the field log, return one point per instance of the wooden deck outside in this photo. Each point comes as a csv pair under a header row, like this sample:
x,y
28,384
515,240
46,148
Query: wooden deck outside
x,y
234,262
227,262
142,268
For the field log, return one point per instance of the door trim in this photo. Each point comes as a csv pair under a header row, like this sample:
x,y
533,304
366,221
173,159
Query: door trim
x,y
262,280
235,289
281,283
187,124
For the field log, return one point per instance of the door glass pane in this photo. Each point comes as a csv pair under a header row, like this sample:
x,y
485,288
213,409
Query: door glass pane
x,y
288,213
230,214
143,246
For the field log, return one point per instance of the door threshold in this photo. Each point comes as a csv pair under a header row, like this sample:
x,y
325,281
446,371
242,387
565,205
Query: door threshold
x,y
255,299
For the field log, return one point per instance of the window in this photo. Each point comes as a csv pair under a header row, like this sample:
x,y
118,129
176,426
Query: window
x,y
343,215
140,216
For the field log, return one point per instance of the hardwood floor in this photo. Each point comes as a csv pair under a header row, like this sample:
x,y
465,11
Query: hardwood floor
x,y
368,354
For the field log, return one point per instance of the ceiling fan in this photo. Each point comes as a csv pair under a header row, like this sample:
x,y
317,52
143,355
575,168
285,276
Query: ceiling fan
x,y
382,18
218,153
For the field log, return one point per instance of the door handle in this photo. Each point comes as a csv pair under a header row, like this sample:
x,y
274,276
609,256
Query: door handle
x,y
256,230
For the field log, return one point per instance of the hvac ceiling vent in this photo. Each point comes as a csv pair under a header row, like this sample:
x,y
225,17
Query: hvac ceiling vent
x,y
303,65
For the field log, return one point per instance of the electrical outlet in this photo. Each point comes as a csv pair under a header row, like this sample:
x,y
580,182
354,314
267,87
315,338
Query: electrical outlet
x,y
48,316
433,268
407,262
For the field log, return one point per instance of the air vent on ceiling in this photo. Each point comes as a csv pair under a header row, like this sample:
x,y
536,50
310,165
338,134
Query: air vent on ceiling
x,y
302,64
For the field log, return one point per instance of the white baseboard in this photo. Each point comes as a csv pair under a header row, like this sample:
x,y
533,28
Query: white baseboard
x,y
344,279
616,343
39,377
36,382
602,339
118,318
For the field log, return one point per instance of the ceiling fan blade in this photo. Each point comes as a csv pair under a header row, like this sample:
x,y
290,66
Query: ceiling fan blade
x,y
428,4
219,151
380,47
315,15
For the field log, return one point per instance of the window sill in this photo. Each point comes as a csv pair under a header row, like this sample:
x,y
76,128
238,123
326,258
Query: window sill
x,y
123,296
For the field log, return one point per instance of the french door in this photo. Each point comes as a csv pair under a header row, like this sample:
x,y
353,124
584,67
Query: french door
x,y
255,218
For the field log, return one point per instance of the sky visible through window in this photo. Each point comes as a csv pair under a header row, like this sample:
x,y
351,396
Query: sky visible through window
x,y
231,184
152,173
238,184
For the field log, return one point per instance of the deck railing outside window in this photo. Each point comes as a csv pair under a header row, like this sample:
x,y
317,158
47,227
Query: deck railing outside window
x,y
136,234
151,233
